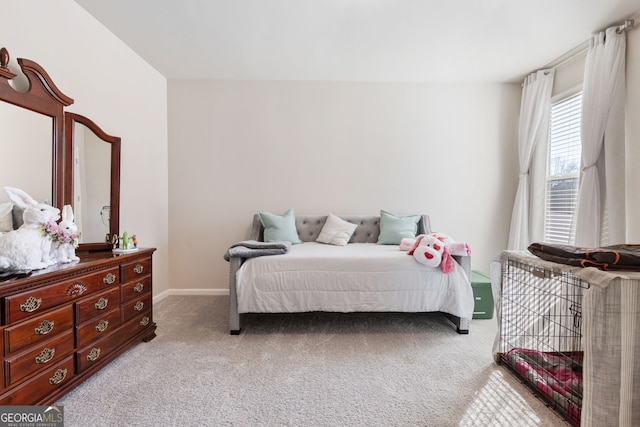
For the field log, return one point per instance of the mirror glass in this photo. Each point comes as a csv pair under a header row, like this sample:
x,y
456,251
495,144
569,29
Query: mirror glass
x,y
91,184
28,156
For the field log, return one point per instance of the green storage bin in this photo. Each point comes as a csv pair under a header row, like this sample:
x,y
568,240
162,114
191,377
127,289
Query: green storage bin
x,y
481,284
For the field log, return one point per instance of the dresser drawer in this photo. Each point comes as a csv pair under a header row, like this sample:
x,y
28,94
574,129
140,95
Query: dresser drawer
x,y
41,385
136,288
97,305
44,355
38,329
136,269
95,352
24,304
141,321
135,307
97,327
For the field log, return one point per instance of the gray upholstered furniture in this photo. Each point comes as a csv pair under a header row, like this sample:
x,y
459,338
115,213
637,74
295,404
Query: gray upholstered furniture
x,y
309,227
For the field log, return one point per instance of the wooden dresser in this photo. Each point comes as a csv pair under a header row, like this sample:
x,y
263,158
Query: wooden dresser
x,y
62,324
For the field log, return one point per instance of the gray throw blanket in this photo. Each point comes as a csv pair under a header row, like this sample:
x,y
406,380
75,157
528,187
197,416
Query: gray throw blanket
x,y
255,248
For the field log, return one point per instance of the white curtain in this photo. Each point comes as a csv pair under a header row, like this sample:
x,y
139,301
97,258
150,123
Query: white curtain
x,y
534,121
604,69
613,180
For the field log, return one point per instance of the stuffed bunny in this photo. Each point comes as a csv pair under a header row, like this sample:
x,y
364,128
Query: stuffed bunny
x,y
29,247
65,241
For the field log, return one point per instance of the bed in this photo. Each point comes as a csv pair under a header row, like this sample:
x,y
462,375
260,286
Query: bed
x,y
361,276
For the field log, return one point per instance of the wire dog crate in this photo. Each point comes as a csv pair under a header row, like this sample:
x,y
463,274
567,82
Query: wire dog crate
x,y
540,338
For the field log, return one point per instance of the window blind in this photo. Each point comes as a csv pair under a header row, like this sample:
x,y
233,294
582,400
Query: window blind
x,y
563,169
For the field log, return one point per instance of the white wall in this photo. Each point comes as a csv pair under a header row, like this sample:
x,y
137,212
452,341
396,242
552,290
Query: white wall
x,y
121,93
447,150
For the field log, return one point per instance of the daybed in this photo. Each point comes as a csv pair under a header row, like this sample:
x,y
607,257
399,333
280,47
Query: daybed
x,y
361,276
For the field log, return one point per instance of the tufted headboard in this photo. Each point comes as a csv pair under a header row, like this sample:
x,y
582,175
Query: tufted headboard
x,y
309,227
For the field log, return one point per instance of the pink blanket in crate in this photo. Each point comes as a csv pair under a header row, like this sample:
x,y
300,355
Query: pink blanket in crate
x,y
557,377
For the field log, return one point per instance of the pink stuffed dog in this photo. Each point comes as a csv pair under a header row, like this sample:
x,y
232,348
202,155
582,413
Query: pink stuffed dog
x,y
428,251
435,249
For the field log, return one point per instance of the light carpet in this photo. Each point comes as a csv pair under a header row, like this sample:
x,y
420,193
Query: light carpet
x,y
312,369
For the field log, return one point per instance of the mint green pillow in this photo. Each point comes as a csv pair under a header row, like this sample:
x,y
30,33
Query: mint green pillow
x,y
395,228
279,228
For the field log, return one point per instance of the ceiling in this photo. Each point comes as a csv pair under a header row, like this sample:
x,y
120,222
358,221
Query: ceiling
x,y
355,40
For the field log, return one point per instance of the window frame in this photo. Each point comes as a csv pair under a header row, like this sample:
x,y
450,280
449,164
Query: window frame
x,y
548,178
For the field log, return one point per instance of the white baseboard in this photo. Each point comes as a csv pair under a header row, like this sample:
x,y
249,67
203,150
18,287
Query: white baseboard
x,y
208,292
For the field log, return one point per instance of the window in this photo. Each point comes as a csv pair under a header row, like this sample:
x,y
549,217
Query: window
x,y
563,169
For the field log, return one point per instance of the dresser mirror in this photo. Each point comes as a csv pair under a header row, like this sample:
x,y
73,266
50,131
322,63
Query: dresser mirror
x,y
94,181
57,156
32,141
26,140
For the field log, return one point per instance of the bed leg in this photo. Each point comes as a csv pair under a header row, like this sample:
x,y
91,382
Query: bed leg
x,y
234,324
234,316
462,325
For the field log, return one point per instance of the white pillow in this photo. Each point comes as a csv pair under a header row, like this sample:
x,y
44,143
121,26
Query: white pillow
x,y
336,231
6,217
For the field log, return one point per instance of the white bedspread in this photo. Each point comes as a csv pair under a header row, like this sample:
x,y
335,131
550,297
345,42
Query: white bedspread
x,y
356,277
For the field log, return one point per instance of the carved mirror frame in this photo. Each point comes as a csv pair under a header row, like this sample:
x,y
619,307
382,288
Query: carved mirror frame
x,y
71,119
44,97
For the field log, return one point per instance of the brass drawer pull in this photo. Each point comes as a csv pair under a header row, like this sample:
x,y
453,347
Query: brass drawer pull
x,y
139,287
45,355
31,304
144,321
109,278
139,268
93,354
139,306
102,325
45,327
58,377
101,304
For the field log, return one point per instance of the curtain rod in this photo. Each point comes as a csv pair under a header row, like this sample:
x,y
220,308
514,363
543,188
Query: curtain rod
x,y
568,56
